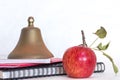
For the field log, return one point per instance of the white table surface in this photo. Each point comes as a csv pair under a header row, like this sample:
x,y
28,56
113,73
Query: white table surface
x,y
95,76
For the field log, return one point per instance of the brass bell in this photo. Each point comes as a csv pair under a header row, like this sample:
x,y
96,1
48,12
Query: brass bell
x,y
30,44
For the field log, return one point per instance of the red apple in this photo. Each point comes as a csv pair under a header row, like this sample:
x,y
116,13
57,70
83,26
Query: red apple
x,y
79,61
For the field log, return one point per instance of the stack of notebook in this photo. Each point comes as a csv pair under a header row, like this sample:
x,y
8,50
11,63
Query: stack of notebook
x,y
30,68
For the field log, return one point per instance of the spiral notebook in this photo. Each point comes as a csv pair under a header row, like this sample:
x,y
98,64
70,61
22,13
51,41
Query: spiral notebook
x,y
39,70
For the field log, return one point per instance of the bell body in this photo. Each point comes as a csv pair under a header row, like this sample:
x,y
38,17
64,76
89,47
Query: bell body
x,y
30,45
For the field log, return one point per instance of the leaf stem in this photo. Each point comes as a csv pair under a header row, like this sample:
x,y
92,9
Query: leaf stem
x,y
94,42
115,68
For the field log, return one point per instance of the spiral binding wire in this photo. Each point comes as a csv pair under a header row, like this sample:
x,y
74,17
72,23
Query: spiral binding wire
x,y
100,67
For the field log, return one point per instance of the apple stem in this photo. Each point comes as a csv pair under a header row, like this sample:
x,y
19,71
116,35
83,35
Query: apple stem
x,y
83,38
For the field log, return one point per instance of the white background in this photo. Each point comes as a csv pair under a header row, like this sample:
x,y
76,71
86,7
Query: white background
x,y
61,22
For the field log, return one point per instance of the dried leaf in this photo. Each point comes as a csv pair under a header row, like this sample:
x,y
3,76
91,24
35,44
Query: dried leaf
x,y
103,47
115,68
101,33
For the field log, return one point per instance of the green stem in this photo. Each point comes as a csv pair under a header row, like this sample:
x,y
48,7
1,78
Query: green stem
x,y
94,42
115,68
